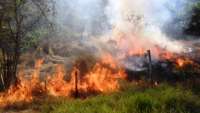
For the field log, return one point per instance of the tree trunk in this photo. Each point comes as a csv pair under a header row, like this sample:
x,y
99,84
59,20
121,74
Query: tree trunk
x,y
8,69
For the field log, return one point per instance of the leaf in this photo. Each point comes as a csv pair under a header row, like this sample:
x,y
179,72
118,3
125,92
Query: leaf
x,y
19,2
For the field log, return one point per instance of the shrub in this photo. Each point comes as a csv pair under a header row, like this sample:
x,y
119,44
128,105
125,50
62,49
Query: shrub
x,y
178,100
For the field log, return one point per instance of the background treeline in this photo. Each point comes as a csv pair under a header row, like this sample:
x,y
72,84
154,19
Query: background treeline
x,y
194,25
21,22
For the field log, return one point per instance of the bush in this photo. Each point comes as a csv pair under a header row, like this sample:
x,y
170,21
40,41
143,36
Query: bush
x,y
178,100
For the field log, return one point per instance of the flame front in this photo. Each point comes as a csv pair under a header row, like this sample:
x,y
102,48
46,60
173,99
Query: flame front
x,y
24,89
102,78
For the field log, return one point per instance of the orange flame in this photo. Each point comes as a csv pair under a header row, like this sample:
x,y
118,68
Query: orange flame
x,y
181,62
103,77
24,89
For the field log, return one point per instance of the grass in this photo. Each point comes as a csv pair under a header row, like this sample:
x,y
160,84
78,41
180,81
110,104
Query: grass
x,y
163,99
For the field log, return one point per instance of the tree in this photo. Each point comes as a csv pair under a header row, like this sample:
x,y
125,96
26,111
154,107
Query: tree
x,y
17,19
194,24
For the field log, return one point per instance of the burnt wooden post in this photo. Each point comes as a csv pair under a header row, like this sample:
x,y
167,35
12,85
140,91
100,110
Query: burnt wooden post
x,y
149,65
1,74
2,81
76,84
45,85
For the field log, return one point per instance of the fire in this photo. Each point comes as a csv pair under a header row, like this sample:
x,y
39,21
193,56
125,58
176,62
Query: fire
x,y
181,62
108,59
56,85
24,89
102,78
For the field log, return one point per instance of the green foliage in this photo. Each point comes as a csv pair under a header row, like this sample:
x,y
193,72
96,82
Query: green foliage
x,y
180,101
19,2
144,104
33,38
194,24
163,99
197,5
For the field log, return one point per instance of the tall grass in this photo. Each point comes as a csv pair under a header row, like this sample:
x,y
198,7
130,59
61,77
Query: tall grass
x,y
163,99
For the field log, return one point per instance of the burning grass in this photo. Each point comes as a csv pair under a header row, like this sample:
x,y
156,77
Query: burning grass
x,y
54,94
131,99
80,84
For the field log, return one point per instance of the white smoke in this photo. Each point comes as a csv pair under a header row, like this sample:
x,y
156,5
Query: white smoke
x,y
141,23
155,15
81,15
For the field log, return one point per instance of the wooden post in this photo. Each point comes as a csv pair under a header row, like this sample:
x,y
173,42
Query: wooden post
x,y
45,85
76,84
1,75
2,81
150,66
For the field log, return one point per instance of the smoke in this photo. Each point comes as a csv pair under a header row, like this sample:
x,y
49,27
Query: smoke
x,y
148,19
92,25
155,12
83,16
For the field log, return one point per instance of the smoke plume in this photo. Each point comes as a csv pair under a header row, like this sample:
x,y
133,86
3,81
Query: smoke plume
x,y
120,26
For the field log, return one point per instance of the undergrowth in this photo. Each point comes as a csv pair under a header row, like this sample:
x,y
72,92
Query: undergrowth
x,y
132,99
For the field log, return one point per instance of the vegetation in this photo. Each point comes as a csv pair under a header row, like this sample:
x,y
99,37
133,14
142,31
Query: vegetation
x,y
164,99
22,25
18,18
194,24
131,99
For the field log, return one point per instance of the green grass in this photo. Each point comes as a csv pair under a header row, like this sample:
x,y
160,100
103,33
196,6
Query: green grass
x,y
163,99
